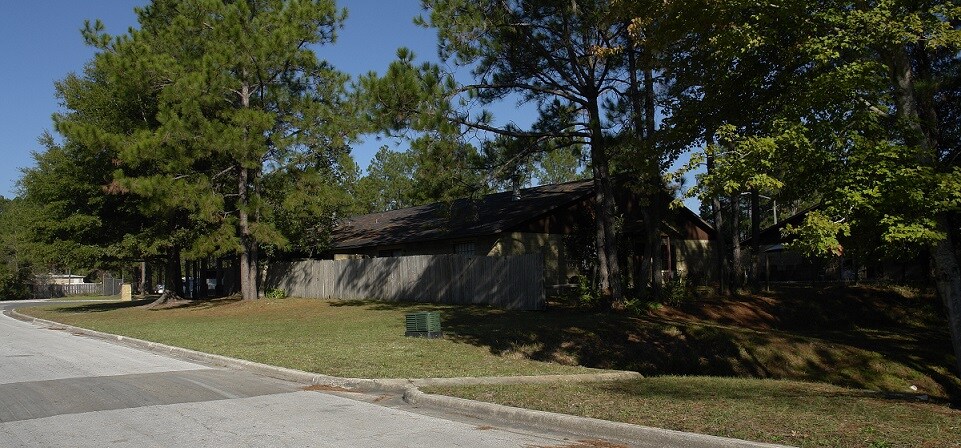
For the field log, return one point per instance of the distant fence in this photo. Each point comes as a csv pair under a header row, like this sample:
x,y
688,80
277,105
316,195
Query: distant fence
x,y
108,287
515,282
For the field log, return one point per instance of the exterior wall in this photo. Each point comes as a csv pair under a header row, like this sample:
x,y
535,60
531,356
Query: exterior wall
x,y
557,270
66,280
695,259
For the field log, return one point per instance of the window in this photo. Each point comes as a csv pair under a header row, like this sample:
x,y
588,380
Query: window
x,y
468,249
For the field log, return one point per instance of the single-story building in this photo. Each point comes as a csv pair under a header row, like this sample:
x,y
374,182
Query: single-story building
x,y
554,220
63,279
778,262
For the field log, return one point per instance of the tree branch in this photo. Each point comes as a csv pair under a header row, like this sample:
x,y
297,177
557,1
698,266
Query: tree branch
x,y
531,87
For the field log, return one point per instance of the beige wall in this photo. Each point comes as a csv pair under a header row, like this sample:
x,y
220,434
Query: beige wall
x,y
695,259
556,266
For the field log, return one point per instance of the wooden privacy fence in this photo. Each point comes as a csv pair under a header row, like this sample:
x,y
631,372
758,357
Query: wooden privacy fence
x,y
515,282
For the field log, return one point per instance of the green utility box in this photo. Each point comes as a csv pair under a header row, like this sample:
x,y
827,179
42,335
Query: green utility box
x,y
424,325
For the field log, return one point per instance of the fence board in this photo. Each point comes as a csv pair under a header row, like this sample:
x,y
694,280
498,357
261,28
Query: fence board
x,y
515,282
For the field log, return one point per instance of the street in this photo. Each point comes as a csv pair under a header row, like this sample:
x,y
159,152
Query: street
x,y
59,389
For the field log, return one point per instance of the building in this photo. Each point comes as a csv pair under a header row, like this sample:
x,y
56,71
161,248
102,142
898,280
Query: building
x,y
553,220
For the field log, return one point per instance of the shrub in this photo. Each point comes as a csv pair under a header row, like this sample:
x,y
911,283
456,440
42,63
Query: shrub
x,y
676,291
276,294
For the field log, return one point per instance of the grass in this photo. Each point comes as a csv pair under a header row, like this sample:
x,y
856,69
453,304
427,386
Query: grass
x,y
350,339
777,411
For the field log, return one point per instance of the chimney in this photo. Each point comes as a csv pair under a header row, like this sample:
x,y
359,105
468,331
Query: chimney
x,y
516,187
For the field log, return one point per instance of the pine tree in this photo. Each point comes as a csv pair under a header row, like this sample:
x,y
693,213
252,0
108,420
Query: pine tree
x,y
240,95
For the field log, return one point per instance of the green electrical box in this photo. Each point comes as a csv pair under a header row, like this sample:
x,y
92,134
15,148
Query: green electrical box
x,y
423,324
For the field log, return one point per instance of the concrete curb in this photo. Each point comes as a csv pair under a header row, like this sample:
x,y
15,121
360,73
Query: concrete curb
x,y
623,432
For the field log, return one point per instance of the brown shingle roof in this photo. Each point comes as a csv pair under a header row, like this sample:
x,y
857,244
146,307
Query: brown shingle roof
x,y
461,218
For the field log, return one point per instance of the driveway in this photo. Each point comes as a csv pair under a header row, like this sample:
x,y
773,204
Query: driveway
x,y
60,389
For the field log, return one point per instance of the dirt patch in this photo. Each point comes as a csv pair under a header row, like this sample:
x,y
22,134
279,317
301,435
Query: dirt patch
x,y
793,307
583,444
755,312
326,388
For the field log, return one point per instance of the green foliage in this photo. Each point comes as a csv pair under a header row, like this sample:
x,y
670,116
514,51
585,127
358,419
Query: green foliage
x,y
275,294
436,168
824,121
587,293
676,291
15,273
818,235
561,166
388,184
231,136
65,216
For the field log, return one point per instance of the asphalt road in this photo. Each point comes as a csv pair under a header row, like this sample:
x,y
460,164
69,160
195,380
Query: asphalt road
x,y
64,390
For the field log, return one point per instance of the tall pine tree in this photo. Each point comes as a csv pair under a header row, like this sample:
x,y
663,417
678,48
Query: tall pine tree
x,y
240,95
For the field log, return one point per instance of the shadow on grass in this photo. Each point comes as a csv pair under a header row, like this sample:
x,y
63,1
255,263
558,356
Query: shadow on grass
x,y
708,388
101,307
182,304
200,304
591,338
842,346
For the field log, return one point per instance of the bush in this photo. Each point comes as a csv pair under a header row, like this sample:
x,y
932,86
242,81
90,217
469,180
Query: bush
x,y
276,294
587,292
14,285
676,291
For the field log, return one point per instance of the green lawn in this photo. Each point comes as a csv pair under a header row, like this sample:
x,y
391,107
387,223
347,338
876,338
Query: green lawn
x,y
349,339
788,412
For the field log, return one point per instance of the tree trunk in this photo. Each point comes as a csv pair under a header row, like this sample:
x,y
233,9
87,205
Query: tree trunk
x,y
249,246
142,285
737,265
720,251
657,205
175,282
248,253
644,128
173,285
605,234
948,281
755,240
652,241
923,133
